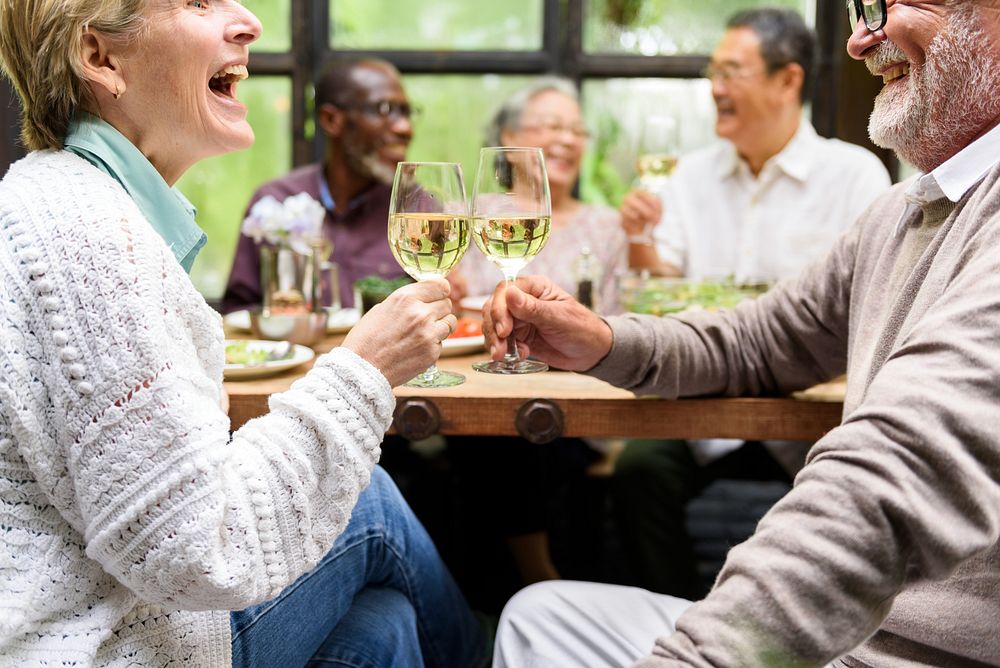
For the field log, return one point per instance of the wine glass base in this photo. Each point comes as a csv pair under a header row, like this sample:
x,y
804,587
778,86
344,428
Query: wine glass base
x,y
441,379
511,368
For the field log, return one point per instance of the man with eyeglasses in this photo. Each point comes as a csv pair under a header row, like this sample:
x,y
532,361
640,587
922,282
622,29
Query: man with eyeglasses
x,y
766,201
887,550
761,206
365,116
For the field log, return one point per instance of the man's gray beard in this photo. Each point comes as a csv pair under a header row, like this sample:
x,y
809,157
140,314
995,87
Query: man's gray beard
x,y
944,102
366,164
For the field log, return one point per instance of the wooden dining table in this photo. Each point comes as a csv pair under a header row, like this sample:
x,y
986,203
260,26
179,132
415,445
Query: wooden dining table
x,y
545,406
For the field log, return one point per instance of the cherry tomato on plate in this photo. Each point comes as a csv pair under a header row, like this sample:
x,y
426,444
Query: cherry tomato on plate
x,y
467,327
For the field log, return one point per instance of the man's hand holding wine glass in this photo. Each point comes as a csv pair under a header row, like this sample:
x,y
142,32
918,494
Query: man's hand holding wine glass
x,y
546,323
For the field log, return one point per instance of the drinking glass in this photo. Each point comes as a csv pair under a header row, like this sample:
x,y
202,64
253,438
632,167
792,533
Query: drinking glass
x,y
429,232
511,221
658,149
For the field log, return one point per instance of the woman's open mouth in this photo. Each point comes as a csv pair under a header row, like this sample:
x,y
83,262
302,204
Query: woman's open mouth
x,y
223,83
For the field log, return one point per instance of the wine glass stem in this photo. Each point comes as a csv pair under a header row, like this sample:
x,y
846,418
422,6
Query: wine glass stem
x,y
512,356
429,374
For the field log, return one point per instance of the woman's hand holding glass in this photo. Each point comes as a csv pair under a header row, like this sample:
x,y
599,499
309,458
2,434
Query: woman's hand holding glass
x,y
511,221
428,235
402,335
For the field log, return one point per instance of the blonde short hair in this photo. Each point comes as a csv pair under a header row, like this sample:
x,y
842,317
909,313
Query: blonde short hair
x,y
41,43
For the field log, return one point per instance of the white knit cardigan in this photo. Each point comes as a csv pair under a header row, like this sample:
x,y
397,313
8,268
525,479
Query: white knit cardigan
x,y
130,521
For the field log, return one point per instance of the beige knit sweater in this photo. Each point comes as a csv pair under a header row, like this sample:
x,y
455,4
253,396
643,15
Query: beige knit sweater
x,y
886,551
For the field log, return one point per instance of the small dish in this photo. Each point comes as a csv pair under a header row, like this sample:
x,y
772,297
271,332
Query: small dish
x,y
473,304
339,321
306,329
464,345
298,355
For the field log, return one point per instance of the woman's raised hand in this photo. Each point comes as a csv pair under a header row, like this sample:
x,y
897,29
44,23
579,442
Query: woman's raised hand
x,y
402,335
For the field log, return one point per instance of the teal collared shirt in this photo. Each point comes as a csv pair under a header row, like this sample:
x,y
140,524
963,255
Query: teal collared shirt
x,y
166,209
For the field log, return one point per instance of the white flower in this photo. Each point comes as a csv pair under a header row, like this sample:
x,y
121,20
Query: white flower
x,y
297,222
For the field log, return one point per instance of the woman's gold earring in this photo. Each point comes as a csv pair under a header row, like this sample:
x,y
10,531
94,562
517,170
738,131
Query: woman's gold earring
x,y
118,93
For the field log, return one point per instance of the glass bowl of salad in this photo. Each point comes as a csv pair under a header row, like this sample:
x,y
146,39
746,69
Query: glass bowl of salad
x,y
656,295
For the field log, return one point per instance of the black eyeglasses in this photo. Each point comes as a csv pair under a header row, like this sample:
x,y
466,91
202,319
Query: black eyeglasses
x,y
387,110
873,12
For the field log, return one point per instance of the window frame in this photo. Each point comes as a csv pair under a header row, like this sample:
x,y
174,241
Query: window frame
x,y
834,108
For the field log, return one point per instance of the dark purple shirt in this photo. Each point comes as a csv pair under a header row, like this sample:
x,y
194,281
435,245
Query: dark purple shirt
x,y
360,244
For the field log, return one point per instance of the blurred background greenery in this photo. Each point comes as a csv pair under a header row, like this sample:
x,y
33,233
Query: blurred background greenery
x,y
457,105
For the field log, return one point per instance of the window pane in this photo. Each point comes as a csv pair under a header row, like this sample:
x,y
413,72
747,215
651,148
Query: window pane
x,y
514,25
667,27
221,187
275,16
456,109
615,109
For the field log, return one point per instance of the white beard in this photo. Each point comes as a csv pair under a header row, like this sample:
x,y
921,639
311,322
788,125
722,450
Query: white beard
x,y
945,102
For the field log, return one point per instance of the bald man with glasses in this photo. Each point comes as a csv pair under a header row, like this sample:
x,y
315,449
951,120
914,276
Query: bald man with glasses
x,y
886,552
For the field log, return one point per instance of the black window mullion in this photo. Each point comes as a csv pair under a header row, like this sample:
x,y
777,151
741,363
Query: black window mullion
x,y
552,35
574,41
456,62
604,66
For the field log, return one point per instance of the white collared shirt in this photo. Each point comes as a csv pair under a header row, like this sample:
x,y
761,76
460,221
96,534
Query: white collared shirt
x,y
720,220
952,178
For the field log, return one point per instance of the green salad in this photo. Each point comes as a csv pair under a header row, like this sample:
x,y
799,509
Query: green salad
x,y
240,352
660,296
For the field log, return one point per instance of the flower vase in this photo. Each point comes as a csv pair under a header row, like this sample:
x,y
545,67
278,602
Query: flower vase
x,y
292,282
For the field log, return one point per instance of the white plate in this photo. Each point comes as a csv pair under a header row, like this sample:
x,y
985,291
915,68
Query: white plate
x,y
300,355
474,304
340,321
462,346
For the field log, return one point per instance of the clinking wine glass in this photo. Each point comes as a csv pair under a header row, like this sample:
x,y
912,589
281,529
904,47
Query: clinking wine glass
x,y
429,232
511,221
658,150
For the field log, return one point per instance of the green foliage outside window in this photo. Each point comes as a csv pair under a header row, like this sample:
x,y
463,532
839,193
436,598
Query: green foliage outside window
x,y
514,25
275,16
666,27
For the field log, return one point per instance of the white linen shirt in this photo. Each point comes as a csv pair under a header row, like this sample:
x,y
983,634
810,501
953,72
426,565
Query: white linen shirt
x,y
719,220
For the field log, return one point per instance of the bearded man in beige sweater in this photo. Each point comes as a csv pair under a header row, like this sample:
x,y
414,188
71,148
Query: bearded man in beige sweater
x,y
887,550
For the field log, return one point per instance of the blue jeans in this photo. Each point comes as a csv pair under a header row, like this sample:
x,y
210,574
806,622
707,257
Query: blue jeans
x,y
380,597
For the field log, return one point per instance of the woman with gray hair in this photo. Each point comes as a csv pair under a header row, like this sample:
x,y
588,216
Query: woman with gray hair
x,y
546,114
136,529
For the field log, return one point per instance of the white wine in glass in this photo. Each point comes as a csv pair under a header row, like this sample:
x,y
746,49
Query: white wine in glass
x,y
658,149
427,245
429,232
654,168
511,221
